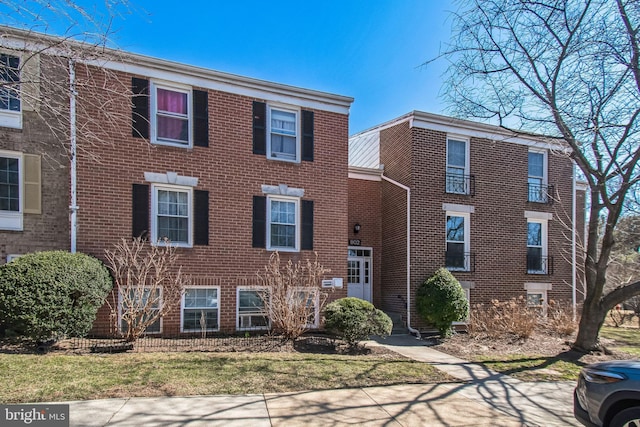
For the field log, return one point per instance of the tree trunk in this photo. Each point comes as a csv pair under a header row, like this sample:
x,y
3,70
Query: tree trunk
x,y
592,318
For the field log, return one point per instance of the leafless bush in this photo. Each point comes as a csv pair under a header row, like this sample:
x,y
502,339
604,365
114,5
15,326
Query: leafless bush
x,y
149,284
293,295
503,318
560,318
619,317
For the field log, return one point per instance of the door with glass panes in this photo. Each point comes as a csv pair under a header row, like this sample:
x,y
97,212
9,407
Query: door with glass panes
x,y
359,273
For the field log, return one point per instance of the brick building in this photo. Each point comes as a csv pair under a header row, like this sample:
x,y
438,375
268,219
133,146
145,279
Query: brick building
x,y
229,168
493,207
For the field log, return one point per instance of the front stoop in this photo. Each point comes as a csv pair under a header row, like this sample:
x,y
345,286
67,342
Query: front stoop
x,y
399,326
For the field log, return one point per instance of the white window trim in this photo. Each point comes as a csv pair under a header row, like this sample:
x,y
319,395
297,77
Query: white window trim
x,y
544,231
11,257
298,224
11,220
267,309
467,243
298,114
182,308
545,155
316,305
539,288
154,86
159,307
8,118
467,164
154,214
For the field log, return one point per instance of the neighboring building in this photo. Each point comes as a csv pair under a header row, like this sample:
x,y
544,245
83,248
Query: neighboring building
x,y
229,168
492,206
34,174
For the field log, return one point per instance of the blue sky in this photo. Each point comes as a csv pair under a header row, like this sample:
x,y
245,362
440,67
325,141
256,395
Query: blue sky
x,y
369,50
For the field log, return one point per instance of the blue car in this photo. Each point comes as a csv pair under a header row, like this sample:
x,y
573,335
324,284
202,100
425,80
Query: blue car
x,y
608,394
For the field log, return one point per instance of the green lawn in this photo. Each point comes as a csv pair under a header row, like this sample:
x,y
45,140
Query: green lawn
x,y
55,377
534,367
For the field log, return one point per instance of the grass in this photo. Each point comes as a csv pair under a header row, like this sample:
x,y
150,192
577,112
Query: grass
x,y
56,377
562,367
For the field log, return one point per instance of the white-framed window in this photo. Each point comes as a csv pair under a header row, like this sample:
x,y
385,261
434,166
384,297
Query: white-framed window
x,y
171,115
310,297
11,190
457,177
283,223
252,312
537,258
537,296
283,133
458,256
11,257
10,103
537,176
172,214
200,309
145,302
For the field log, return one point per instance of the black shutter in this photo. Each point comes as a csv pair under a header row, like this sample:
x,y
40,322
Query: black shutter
x,y
140,110
259,128
307,225
200,118
200,217
307,135
259,222
140,211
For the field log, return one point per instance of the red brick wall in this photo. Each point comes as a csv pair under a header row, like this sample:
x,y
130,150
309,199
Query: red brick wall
x,y
364,209
497,227
233,175
50,229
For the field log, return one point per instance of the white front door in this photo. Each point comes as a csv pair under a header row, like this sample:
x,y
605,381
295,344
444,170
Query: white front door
x,y
359,273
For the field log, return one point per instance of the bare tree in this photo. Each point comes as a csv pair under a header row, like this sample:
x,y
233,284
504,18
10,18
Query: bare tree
x,y
149,283
293,295
565,69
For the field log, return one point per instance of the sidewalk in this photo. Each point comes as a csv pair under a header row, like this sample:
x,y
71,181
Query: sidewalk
x,y
483,398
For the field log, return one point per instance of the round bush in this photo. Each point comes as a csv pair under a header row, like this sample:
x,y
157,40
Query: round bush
x,y
52,294
354,319
441,301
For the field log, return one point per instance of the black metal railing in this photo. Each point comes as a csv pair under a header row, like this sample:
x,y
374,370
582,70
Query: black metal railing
x,y
540,193
460,184
460,261
539,264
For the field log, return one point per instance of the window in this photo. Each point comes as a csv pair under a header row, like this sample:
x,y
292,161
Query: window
x,y
283,140
457,179
307,299
141,304
10,191
537,181
171,117
537,261
172,215
200,310
9,83
252,313
457,242
537,296
282,220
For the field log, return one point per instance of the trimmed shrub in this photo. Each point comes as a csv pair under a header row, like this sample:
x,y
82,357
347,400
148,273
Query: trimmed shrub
x,y
353,320
441,301
52,294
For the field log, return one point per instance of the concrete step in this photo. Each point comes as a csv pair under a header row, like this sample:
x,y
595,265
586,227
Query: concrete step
x,y
399,327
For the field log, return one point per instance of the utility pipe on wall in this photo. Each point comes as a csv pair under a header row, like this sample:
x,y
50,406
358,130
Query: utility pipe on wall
x,y
574,230
73,208
408,190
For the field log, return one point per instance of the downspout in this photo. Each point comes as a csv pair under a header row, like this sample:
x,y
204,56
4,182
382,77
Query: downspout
x,y
573,242
408,190
73,208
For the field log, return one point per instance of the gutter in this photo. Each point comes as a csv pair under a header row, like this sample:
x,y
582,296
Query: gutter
x,y
408,190
573,241
73,208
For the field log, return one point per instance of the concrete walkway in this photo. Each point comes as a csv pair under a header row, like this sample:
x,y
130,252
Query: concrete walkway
x,y
482,398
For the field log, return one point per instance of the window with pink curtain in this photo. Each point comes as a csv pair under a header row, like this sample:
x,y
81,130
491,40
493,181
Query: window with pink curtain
x,y
172,116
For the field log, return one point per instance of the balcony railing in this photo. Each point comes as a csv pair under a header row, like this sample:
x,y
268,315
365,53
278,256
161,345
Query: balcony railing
x,y
539,264
540,193
460,184
456,261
